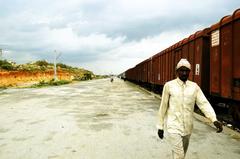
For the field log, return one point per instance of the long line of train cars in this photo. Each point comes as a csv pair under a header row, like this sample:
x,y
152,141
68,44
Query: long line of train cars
x,y
214,54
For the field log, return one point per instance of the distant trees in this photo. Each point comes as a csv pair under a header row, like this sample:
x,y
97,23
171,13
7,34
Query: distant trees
x,y
5,65
87,76
64,66
42,63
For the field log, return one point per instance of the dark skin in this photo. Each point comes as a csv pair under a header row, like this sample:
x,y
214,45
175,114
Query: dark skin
x,y
183,74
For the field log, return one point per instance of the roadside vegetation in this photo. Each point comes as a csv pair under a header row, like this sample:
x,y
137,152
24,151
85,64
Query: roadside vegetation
x,y
5,65
77,74
50,83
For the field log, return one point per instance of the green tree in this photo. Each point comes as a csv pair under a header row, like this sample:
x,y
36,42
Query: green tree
x,y
4,64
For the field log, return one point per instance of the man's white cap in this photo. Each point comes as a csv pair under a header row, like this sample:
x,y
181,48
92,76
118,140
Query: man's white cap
x,y
185,63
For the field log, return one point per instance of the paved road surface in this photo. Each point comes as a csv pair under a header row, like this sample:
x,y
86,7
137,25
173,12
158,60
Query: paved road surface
x,y
94,120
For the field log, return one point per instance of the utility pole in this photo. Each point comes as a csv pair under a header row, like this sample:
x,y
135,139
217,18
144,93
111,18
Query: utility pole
x,y
1,52
56,56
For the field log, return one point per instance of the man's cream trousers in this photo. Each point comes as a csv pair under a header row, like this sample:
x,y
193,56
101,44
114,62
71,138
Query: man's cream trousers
x,y
179,145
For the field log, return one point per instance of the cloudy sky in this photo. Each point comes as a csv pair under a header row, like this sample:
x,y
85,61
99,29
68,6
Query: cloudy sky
x,y
104,36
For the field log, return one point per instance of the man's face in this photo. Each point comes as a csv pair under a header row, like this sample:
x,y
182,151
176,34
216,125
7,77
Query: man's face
x,y
183,73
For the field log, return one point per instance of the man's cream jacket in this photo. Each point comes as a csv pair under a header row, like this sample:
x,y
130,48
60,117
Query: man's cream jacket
x,y
177,106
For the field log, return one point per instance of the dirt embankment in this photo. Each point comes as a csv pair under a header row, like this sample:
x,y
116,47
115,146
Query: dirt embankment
x,y
16,78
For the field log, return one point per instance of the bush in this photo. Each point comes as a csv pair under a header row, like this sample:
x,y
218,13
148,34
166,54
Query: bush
x,y
87,76
7,67
50,83
4,64
59,82
62,65
41,63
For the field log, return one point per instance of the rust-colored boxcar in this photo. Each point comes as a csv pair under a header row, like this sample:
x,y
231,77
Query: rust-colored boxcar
x,y
195,48
214,54
149,70
225,57
145,71
155,69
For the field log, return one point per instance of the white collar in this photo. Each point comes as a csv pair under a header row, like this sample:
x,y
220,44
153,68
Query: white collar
x,y
180,82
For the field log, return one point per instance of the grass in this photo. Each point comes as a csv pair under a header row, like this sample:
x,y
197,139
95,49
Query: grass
x,y
50,83
3,87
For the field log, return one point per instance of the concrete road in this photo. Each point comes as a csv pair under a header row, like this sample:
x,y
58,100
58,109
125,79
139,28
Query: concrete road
x,y
94,120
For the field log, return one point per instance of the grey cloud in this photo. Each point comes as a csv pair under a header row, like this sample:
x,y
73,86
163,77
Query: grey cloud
x,y
84,58
26,25
135,29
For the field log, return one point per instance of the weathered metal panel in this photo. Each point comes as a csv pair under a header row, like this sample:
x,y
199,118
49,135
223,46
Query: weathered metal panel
x,y
196,65
142,72
201,65
149,70
205,64
164,68
173,74
215,60
146,71
161,69
167,66
170,64
191,50
236,55
226,59
185,48
155,69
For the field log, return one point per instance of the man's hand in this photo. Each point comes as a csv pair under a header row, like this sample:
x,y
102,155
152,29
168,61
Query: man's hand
x,y
218,125
160,133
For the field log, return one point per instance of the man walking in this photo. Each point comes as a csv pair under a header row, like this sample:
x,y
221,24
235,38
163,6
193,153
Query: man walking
x,y
176,110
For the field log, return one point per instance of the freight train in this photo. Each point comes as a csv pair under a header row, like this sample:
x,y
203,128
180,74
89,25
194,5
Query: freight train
x,y
214,54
